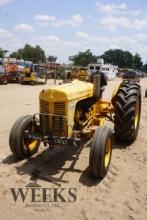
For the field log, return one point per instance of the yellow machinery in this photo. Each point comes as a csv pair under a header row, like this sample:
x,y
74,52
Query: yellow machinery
x,y
80,73
28,77
73,113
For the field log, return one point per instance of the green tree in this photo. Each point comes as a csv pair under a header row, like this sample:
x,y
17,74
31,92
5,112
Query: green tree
x,y
123,59
137,62
83,58
144,67
114,57
15,55
128,59
34,54
51,59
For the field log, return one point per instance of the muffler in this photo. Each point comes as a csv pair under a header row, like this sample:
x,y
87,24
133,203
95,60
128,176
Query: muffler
x,y
97,86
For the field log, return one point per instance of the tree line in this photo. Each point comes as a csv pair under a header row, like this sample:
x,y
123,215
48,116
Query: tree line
x,y
35,54
118,57
123,59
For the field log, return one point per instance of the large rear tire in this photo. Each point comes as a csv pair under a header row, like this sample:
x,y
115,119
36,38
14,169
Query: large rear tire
x,y
100,152
127,112
21,146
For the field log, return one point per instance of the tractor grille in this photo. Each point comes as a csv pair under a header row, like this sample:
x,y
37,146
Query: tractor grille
x,y
59,108
53,123
44,107
44,119
59,123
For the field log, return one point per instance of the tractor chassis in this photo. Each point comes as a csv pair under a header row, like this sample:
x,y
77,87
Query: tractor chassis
x,y
78,136
54,140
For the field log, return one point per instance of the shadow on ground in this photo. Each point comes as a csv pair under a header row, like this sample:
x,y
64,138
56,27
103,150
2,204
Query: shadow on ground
x,y
50,165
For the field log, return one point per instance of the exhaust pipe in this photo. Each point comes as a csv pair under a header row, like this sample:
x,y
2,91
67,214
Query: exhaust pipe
x,y
97,86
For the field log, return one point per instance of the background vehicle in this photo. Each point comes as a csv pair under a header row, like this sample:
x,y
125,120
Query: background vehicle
x,y
110,70
131,75
3,78
12,72
141,74
75,73
29,76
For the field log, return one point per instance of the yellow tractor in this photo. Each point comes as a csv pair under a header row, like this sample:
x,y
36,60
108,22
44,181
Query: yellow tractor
x,y
29,76
80,73
75,112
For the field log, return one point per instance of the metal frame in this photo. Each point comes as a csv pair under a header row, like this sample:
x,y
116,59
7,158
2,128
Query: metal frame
x,y
52,139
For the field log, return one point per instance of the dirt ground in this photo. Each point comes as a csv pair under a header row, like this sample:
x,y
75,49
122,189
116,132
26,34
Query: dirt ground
x,y
122,194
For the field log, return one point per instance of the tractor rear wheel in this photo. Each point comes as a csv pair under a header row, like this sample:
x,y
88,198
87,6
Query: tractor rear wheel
x,y
100,152
20,145
127,112
4,80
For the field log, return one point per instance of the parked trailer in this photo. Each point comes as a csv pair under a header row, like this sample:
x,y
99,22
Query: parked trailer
x,y
109,69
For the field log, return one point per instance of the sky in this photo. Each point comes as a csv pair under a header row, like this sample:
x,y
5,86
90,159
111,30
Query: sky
x,y
65,27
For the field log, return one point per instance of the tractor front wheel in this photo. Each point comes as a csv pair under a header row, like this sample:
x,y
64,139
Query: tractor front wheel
x,y
127,112
20,145
100,152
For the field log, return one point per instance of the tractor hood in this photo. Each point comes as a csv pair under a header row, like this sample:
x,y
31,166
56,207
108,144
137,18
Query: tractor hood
x,y
69,91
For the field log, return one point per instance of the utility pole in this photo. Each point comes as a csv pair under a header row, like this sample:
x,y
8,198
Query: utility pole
x,y
3,56
3,53
55,76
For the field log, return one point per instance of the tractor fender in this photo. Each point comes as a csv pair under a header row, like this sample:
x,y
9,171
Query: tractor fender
x,y
115,91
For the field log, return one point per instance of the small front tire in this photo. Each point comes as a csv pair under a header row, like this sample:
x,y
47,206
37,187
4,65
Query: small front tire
x,y
100,152
21,146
